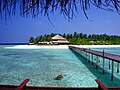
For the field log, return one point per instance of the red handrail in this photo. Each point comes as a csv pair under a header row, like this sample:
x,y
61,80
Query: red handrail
x,y
101,86
23,84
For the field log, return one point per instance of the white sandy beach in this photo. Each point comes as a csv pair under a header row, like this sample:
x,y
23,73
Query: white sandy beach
x,y
38,47
98,46
60,46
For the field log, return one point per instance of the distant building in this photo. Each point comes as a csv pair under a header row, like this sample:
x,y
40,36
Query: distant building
x,y
44,43
59,40
31,44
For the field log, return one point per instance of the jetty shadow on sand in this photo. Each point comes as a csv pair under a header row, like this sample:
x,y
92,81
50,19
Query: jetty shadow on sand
x,y
105,78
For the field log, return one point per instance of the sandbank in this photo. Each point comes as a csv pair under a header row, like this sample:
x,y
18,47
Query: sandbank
x,y
60,46
97,46
38,47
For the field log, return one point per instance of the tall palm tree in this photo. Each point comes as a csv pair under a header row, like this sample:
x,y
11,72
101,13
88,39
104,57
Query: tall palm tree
x,y
68,8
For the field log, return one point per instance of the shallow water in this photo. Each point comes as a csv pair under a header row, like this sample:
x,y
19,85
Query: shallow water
x,y
43,65
109,50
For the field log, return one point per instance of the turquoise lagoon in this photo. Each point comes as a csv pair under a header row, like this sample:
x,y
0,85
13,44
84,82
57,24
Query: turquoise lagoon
x,y
43,65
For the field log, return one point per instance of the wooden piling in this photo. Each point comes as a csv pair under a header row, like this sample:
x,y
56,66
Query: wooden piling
x,y
112,70
117,67
109,64
92,59
86,56
97,61
89,58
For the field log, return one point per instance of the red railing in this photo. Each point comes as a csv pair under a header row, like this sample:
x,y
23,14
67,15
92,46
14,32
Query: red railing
x,y
23,84
101,86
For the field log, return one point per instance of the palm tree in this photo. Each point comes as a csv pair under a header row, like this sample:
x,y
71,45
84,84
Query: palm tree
x,y
32,40
68,8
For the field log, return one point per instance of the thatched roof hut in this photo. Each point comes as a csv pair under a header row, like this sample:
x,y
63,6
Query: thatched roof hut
x,y
57,39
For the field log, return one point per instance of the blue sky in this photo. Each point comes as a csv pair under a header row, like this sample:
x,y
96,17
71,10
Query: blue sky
x,y
20,29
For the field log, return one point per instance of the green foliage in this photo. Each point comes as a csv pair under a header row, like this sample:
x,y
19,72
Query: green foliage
x,y
32,40
81,39
68,8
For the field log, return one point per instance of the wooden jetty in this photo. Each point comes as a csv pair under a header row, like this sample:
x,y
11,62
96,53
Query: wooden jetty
x,y
23,86
87,52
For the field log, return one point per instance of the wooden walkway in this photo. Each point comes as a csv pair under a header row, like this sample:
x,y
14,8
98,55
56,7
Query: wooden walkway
x,y
83,52
113,57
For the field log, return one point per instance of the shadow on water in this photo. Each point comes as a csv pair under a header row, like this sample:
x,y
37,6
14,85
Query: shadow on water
x,y
105,78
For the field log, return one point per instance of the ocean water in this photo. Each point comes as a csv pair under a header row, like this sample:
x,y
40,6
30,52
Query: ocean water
x,y
108,50
43,65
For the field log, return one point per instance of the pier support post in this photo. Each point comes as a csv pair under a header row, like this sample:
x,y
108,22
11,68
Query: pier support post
x,y
103,63
83,55
86,56
80,53
112,70
109,64
117,67
89,58
92,59
97,61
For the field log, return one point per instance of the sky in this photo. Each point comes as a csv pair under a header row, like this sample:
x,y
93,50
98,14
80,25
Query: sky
x,y
20,29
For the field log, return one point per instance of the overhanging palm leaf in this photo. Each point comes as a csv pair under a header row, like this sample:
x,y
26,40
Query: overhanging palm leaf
x,y
45,7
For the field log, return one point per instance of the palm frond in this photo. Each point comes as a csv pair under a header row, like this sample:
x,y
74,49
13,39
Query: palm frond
x,y
68,8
